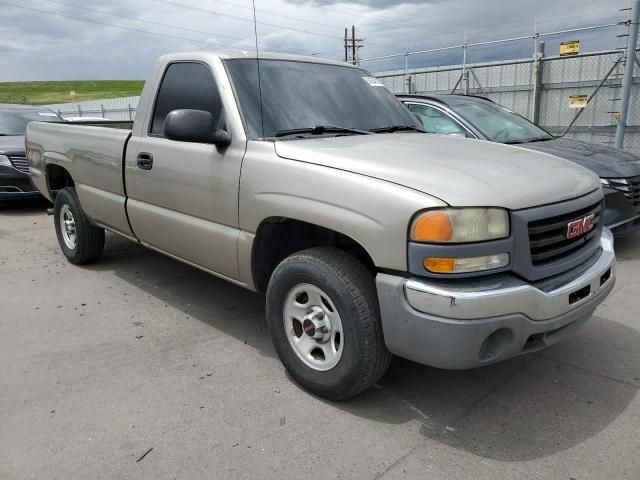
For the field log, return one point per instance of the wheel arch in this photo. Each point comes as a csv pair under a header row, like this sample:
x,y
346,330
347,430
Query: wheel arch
x,y
57,178
278,237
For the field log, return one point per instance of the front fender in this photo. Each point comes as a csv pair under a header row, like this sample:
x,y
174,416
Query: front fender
x,y
372,212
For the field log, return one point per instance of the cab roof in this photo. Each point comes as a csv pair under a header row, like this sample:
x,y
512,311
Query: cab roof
x,y
251,54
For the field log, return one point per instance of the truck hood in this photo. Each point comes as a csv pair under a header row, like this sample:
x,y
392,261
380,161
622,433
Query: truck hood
x,y
12,145
459,171
604,161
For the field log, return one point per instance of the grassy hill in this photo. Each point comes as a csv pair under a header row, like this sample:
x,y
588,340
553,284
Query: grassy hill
x,y
43,93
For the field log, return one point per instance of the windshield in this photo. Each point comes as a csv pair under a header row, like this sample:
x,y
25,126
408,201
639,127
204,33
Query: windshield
x,y
14,122
499,124
301,95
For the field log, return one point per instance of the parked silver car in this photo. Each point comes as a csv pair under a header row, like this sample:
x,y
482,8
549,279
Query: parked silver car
x,y
478,117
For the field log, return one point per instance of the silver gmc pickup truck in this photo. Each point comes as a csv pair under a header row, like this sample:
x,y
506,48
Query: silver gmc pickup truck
x,y
307,180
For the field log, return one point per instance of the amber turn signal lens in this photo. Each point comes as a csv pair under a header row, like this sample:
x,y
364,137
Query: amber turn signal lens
x,y
466,264
440,265
432,227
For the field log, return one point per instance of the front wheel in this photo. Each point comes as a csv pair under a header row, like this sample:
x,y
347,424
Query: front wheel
x,y
323,316
80,241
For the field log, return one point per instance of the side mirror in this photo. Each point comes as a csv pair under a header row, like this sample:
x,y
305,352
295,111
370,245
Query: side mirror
x,y
195,126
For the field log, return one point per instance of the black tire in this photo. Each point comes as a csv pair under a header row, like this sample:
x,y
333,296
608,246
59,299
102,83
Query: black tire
x,y
89,239
352,290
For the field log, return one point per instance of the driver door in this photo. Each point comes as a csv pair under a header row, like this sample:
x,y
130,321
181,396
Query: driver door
x,y
183,196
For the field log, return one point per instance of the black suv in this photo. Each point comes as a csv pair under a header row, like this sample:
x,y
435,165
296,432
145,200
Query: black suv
x,y
14,168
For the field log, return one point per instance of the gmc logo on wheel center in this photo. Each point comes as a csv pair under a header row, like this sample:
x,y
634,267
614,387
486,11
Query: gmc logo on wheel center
x,y
580,227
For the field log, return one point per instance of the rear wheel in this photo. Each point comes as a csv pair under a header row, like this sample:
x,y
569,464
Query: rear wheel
x,y
323,315
80,241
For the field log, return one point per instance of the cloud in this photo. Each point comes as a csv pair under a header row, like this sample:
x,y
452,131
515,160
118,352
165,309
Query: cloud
x,y
40,41
373,4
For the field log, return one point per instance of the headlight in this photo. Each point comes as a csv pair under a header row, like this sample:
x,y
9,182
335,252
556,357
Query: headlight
x,y
4,161
605,182
460,225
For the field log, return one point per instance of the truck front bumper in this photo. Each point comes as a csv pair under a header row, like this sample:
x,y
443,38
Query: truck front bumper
x,y
460,324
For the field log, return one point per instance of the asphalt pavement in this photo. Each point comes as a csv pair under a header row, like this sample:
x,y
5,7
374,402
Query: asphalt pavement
x,y
140,367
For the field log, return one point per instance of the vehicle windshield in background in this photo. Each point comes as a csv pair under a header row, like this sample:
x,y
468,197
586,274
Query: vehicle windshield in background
x,y
500,124
14,122
301,95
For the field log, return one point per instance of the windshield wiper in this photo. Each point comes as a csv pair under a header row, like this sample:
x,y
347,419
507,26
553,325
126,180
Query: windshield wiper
x,y
396,128
528,140
540,139
319,130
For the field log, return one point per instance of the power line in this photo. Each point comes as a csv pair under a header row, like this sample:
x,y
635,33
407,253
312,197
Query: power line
x,y
121,27
547,21
413,25
141,20
276,14
440,33
46,12
379,19
491,42
485,26
432,17
243,19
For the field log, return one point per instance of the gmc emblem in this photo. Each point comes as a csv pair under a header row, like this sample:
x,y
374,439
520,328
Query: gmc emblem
x,y
580,227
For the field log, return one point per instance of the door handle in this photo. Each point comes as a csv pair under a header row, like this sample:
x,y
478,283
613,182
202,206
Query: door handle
x,y
145,161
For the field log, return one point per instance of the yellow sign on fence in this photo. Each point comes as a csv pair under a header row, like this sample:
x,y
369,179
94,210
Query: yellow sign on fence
x,y
571,47
577,101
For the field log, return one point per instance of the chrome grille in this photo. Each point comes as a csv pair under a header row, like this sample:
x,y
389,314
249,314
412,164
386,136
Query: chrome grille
x,y
19,162
630,187
548,237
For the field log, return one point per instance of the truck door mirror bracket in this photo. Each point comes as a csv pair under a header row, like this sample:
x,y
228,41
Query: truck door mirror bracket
x,y
195,126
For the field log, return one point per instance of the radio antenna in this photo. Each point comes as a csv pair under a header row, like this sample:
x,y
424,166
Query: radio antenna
x,y
255,31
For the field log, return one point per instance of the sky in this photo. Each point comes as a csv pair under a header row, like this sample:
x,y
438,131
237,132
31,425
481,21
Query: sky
x,y
119,39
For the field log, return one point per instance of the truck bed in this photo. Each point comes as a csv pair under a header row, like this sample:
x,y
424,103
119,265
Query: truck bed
x,y
94,157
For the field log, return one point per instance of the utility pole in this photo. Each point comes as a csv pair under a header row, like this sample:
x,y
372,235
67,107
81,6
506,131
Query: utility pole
x,y
346,44
351,45
465,71
630,59
537,80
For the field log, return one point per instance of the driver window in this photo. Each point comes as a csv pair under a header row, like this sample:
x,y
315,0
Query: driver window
x,y
186,85
435,121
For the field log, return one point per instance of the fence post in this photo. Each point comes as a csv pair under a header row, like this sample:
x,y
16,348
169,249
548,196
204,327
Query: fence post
x,y
102,110
537,81
79,111
407,80
465,72
130,115
627,81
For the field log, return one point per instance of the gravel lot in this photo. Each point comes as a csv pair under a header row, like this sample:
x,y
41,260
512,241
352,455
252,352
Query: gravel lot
x,y
101,364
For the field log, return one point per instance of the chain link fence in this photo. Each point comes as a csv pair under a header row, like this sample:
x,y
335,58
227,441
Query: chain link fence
x,y
597,75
